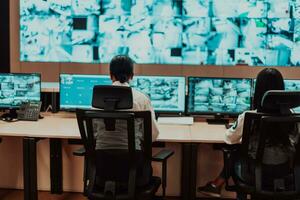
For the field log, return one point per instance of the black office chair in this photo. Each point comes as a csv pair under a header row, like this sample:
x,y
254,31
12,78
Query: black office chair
x,y
249,173
115,173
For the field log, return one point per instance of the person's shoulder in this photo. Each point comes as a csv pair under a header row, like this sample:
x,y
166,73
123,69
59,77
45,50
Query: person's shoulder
x,y
140,96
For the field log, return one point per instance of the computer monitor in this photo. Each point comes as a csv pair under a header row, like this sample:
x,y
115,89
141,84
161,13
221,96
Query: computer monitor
x,y
219,96
293,85
289,85
76,90
16,89
167,93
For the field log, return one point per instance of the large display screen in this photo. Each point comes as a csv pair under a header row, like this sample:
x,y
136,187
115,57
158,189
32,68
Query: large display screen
x,y
218,95
16,89
167,93
209,32
76,90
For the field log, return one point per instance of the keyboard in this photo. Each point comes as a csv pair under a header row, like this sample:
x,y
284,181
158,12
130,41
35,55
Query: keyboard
x,y
176,120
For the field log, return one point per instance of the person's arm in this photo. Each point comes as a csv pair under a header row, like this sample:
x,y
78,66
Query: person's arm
x,y
234,134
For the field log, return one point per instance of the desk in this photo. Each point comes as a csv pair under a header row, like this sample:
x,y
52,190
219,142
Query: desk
x,y
59,126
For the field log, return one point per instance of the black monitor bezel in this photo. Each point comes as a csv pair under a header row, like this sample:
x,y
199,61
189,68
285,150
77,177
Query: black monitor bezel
x,y
24,74
230,114
166,112
72,74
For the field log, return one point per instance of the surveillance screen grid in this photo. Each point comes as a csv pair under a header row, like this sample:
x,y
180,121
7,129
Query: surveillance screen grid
x,y
215,95
189,32
293,85
16,89
166,93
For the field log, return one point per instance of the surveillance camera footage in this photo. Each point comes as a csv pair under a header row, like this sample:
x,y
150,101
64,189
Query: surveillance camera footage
x,y
189,32
167,94
216,95
16,89
293,85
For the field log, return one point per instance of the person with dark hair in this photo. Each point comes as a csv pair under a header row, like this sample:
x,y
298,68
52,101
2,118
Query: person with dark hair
x,y
121,72
275,154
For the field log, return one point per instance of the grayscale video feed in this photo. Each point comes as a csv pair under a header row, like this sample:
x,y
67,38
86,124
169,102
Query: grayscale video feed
x,y
166,93
188,32
293,85
214,95
18,88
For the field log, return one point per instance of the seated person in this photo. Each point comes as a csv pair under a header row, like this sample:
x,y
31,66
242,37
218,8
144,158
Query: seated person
x,y
121,72
275,154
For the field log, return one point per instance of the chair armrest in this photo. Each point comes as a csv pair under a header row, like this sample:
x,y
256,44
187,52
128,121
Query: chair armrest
x,y
79,152
163,155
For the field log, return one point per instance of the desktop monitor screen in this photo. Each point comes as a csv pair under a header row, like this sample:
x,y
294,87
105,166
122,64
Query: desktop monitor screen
x,y
167,93
218,95
293,85
76,89
289,85
18,88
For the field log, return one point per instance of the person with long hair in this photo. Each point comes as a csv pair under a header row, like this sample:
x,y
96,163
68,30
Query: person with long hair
x,y
278,151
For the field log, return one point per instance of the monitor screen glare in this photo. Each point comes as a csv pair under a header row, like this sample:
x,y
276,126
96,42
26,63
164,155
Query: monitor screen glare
x,y
166,93
18,88
217,95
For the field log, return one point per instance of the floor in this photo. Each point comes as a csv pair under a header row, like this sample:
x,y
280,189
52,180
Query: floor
x,y
18,195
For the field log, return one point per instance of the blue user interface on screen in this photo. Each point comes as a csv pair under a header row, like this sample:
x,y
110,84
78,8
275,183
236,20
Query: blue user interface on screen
x,y
219,95
211,32
76,90
16,89
167,94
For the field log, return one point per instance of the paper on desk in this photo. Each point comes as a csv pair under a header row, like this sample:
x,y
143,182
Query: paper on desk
x,y
176,120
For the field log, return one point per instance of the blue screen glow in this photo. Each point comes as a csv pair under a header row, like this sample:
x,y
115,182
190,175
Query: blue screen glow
x,y
76,90
18,88
209,32
166,93
219,95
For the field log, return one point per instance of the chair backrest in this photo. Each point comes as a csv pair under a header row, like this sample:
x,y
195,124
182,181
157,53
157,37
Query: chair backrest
x,y
278,122
120,166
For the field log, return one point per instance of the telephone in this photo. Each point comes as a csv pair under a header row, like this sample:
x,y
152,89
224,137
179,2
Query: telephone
x,y
30,111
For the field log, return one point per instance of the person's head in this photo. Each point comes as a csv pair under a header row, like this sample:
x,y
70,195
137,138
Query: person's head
x,y
121,68
267,79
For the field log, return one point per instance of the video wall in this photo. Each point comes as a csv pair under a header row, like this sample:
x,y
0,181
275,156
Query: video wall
x,y
189,32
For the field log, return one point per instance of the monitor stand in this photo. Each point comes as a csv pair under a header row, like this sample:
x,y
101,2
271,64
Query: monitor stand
x,y
12,114
218,119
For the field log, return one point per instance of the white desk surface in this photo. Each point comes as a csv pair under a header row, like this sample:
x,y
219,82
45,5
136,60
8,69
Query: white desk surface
x,y
202,132
65,126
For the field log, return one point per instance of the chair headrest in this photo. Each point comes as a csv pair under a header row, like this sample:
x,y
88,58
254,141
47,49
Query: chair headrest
x,y
280,100
112,97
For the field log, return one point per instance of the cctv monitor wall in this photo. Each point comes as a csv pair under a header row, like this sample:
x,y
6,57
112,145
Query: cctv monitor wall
x,y
76,90
16,89
167,93
218,95
188,32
